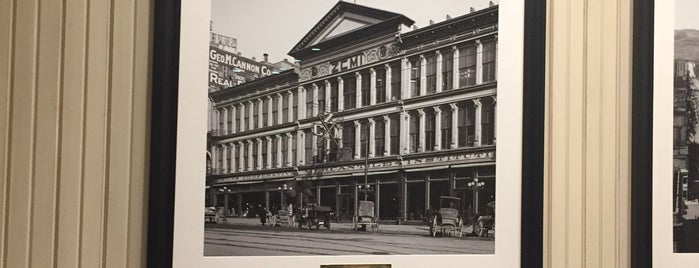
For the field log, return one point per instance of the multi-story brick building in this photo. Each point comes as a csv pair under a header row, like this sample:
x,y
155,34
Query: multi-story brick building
x,y
375,111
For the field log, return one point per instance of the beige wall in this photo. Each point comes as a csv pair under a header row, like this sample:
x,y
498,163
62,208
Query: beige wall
x,y
74,79
587,167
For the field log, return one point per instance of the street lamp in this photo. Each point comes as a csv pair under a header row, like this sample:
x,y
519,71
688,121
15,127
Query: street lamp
x,y
282,190
476,186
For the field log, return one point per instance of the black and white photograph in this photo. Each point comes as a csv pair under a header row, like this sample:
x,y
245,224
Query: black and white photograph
x,y
686,129
369,127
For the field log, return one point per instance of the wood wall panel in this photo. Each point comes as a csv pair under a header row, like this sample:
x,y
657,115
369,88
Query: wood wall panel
x,y
74,94
587,131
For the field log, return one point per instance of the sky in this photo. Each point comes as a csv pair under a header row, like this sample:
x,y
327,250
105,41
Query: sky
x,y
275,26
686,14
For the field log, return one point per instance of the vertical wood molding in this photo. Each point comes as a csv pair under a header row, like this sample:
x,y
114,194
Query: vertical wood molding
x,y
587,132
74,102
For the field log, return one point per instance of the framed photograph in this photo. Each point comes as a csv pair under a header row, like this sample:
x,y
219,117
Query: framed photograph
x,y
347,133
666,145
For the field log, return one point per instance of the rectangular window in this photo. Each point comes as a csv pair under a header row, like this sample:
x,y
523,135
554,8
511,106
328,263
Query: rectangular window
x,y
285,141
321,99
366,88
489,57
264,153
350,91
265,114
255,114
363,140
237,156
430,132
395,134
285,108
295,110
396,71
414,133
292,140
237,122
332,154
308,145
219,156
275,110
447,70
309,102
381,85
333,95
446,129
229,118
220,121
379,137
415,77
467,66
255,153
463,132
348,136
246,156
487,123
246,118
273,142
431,73
466,124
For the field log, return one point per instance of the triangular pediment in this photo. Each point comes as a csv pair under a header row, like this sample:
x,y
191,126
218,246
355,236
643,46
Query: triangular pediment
x,y
344,18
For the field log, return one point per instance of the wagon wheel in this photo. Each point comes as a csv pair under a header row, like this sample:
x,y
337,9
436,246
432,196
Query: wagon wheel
x,y
377,226
482,231
433,227
354,223
327,226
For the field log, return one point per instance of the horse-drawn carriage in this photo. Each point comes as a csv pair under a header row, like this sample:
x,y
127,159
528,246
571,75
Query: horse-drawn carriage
x,y
448,220
365,217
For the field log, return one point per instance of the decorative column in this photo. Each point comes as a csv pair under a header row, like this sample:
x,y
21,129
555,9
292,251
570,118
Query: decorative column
x,y
314,112
454,125
251,115
437,128
259,153
372,137
477,104
372,87
241,156
269,152
479,62
403,123
225,130
328,91
242,117
289,150
270,103
405,79
314,145
439,71
300,149
388,82
214,159
455,68
340,94
495,119
358,90
301,113
280,114
387,135
290,94
279,150
250,162
357,139
421,130
231,147
260,114
423,75
233,115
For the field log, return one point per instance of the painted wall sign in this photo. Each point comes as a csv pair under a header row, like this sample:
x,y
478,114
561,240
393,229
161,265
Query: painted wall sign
x,y
348,63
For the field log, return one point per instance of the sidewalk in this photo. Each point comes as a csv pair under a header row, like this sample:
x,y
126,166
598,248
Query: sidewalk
x,y
422,230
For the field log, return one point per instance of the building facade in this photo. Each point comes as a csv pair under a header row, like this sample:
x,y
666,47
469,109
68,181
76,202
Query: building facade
x,y
376,111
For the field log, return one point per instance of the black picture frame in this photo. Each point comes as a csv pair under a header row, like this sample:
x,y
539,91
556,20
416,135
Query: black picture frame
x,y
163,118
642,138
